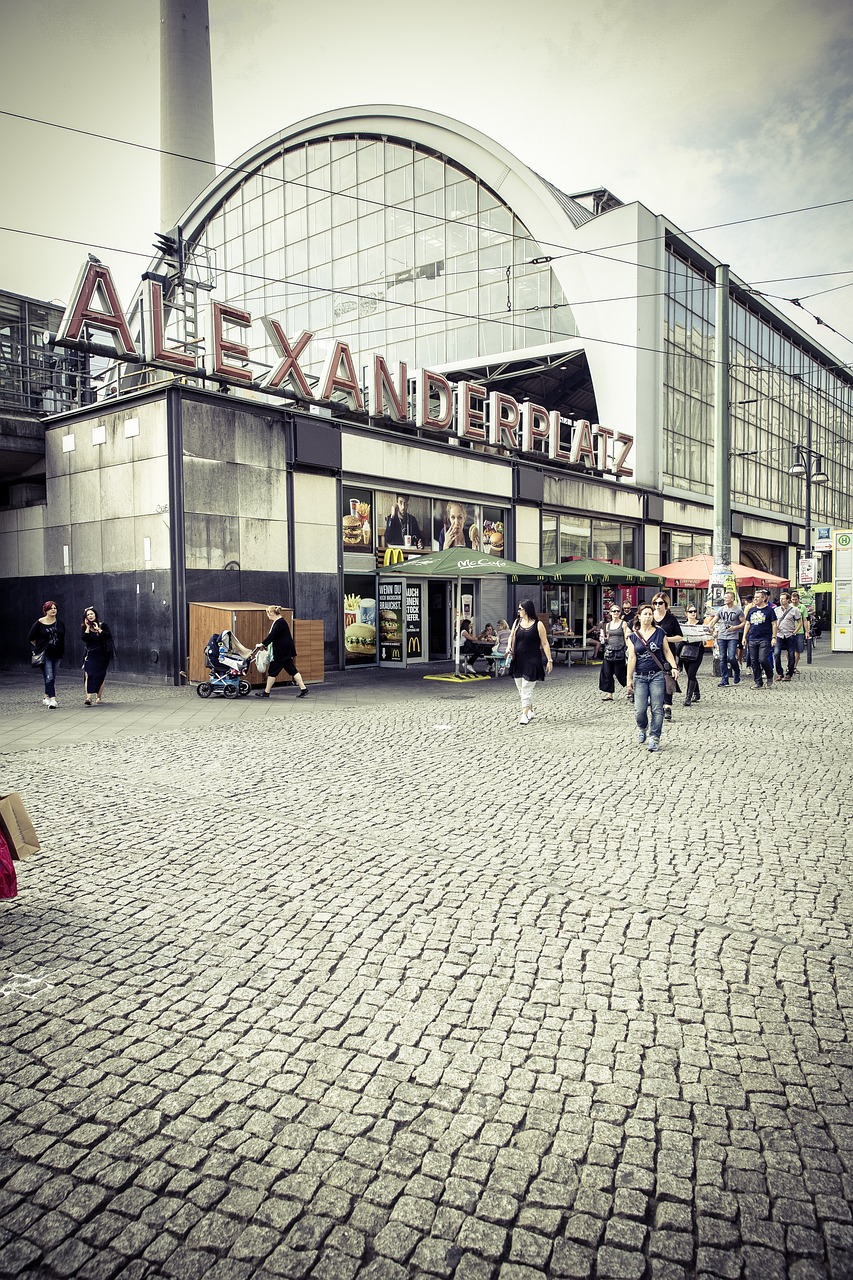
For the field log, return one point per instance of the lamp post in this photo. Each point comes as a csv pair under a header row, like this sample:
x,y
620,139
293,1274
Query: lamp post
x,y
808,465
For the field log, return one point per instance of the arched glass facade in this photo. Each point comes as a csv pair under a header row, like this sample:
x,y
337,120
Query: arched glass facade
x,y
387,247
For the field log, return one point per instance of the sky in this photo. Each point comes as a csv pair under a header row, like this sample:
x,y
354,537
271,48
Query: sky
x,y
723,112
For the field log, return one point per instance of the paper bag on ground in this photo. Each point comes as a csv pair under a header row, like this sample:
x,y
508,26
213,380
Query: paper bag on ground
x,y
17,827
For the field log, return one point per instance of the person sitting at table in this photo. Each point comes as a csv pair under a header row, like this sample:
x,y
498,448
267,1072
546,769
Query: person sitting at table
x,y
592,637
488,634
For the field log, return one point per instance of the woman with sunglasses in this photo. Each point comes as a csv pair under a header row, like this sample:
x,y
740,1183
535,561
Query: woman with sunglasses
x,y
614,637
671,627
649,653
691,654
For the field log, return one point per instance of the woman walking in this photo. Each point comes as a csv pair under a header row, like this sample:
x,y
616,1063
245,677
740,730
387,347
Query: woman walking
x,y
47,637
649,655
527,642
671,627
280,639
614,637
98,644
691,654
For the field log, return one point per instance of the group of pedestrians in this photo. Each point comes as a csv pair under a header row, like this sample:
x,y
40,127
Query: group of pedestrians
x,y
47,640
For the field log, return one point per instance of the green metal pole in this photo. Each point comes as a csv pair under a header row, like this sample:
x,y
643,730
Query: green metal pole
x,y
722,442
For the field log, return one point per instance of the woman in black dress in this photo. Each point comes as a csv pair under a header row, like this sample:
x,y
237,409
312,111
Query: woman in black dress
x,y
47,637
98,644
280,639
527,642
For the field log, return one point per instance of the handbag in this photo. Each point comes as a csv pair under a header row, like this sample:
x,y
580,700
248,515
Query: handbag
x,y
669,679
262,661
37,659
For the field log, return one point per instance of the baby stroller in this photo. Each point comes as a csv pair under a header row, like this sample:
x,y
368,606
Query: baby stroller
x,y
227,661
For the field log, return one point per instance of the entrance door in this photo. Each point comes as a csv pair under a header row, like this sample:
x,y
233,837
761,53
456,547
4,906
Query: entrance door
x,y
391,622
438,616
415,622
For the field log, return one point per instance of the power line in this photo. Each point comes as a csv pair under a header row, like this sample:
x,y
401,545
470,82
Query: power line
x,y
477,318
567,250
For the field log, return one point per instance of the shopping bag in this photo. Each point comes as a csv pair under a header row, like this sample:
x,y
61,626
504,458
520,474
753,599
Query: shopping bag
x,y
17,827
8,878
262,661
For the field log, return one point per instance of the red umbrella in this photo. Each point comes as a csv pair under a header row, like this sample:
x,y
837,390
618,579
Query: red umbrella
x,y
696,571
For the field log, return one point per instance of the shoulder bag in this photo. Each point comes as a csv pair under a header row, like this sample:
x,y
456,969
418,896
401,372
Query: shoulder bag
x,y
669,679
37,659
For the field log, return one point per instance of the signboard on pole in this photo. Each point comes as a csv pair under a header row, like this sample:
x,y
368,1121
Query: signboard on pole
x,y
823,540
807,571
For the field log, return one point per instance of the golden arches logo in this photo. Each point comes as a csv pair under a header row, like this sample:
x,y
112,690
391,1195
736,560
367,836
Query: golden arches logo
x,y
394,556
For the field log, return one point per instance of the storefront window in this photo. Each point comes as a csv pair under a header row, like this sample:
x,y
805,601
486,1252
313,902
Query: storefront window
x,y
549,538
574,538
359,620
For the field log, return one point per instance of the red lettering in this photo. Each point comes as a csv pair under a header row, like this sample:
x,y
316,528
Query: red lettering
x,y
535,425
627,443
220,315
603,446
95,283
582,450
428,385
504,415
470,421
386,398
339,375
154,347
287,370
556,449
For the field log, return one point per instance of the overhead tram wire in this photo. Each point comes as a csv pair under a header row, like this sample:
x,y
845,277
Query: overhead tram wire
x,y
500,317
566,250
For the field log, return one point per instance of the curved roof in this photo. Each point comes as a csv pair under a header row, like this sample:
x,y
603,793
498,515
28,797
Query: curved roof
x,y
541,207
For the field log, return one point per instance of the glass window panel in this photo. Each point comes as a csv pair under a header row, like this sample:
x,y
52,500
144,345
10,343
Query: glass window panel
x,y
296,258
343,170
574,538
399,186
273,235
317,155
370,157
549,538
233,219
462,200
345,239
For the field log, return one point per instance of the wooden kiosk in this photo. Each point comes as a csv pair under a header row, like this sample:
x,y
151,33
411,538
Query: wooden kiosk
x,y
249,623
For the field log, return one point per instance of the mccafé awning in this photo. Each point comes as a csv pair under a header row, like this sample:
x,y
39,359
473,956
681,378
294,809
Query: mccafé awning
x,y
458,563
595,573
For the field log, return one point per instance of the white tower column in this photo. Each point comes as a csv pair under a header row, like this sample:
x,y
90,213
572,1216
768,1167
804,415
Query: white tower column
x,y
186,107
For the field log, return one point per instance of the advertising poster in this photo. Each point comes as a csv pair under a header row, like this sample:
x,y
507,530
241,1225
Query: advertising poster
x,y
356,519
359,620
493,531
402,520
414,622
456,524
390,622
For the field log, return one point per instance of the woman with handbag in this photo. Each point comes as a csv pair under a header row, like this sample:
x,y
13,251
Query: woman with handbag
x,y
691,654
650,661
528,641
47,637
671,627
282,652
100,651
614,637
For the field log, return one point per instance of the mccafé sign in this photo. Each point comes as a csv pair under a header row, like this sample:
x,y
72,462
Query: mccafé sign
x,y
464,409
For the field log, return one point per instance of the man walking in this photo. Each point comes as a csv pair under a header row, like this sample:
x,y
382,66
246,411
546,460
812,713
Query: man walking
x,y
730,622
789,624
801,636
759,638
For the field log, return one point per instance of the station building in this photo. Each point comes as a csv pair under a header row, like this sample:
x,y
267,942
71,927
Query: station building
x,y
377,333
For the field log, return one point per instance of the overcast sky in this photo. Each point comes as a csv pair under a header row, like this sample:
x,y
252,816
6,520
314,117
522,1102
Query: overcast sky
x,y
709,113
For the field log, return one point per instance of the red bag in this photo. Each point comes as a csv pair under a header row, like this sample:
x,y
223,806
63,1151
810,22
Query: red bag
x,y
8,879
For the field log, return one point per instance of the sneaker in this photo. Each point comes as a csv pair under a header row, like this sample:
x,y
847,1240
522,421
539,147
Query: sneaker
x,y
529,714
667,713
736,681
262,695
52,704
303,693
654,745
523,719
724,684
641,737
786,679
45,701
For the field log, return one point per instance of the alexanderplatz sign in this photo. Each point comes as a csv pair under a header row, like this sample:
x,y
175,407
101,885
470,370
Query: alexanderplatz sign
x,y
466,410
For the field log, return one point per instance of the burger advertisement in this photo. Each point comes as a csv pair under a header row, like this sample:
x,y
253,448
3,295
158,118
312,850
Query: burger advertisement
x,y
390,621
356,525
359,620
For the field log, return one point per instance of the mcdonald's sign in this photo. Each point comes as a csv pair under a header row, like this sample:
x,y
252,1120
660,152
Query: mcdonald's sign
x,y
414,645
393,555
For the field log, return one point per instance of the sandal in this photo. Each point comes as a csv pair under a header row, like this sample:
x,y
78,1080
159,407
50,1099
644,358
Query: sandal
x,y
87,702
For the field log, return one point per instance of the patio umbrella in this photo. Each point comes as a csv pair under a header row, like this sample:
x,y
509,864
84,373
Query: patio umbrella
x,y
818,588
459,563
596,572
696,571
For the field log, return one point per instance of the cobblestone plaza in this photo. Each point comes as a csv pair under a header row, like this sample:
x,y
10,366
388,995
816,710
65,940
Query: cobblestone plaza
x,y
379,984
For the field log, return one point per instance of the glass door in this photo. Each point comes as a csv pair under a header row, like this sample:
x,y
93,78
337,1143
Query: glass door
x,y
391,622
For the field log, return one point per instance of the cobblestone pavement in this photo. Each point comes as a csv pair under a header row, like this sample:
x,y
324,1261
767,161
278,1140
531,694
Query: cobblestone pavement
x,y
379,984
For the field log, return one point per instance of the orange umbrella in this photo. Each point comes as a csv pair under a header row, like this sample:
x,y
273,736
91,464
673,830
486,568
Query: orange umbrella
x,y
696,571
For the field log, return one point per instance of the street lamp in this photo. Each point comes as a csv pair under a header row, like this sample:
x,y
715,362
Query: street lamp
x,y
804,469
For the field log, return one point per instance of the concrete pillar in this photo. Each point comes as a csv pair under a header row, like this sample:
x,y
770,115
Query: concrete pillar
x,y
186,107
